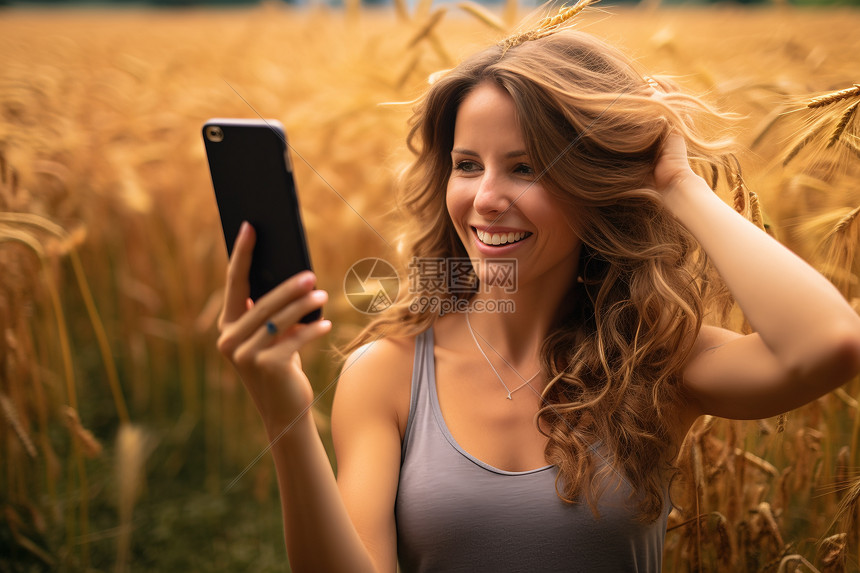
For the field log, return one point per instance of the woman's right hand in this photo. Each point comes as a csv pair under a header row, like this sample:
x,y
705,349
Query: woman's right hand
x,y
262,340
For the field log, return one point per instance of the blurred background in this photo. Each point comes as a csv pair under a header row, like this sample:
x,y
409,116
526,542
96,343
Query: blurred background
x,y
128,444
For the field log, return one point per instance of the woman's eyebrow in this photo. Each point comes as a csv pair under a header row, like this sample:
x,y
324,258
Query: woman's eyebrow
x,y
460,151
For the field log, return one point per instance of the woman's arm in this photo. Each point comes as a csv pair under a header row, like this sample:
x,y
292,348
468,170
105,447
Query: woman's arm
x,y
319,533
807,337
368,420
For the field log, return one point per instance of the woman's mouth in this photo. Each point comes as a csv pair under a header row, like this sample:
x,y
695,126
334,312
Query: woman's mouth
x,y
495,239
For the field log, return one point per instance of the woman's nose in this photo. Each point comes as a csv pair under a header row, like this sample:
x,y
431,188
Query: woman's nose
x,y
492,196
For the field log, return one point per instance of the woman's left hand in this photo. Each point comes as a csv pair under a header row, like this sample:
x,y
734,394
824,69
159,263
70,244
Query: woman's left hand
x,y
672,168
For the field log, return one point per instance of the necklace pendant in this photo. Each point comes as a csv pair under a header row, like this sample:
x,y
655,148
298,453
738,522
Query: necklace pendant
x,y
493,368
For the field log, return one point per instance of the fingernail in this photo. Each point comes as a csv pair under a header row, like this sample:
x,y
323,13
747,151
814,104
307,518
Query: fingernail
x,y
319,295
308,279
243,228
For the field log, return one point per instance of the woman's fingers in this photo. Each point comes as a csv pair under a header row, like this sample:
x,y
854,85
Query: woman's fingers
x,y
270,346
296,311
287,303
673,164
238,288
282,324
296,337
279,297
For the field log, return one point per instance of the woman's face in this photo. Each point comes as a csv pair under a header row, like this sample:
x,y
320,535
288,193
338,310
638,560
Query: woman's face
x,y
496,200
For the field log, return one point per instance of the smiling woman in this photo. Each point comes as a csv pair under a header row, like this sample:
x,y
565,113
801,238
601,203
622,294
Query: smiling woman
x,y
557,139
541,436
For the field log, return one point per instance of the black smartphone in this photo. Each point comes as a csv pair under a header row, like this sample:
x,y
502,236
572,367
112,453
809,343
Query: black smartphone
x,y
253,180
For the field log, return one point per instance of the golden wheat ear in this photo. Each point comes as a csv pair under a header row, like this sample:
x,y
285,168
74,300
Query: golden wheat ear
x,y
553,23
833,97
843,122
847,508
833,552
833,121
548,25
841,258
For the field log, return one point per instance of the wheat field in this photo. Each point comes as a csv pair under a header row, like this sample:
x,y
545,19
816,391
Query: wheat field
x,y
126,437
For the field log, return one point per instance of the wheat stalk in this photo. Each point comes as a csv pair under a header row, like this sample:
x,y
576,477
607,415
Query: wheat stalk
x,y
774,563
132,449
14,523
810,134
89,444
764,509
547,26
740,192
784,564
842,124
760,464
834,97
407,70
551,23
510,12
843,462
755,211
426,29
67,245
851,146
845,223
11,415
401,10
724,545
831,552
422,9
766,125
33,243
780,423
847,507
845,397
843,241
483,15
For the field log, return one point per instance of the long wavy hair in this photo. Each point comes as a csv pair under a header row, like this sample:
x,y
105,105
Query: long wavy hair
x,y
593,130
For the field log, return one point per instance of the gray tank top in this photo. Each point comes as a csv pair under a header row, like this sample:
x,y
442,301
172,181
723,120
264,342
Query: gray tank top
x,y
456,513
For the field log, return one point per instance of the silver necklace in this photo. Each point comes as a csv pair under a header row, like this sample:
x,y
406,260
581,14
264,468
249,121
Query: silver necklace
x,y
496,372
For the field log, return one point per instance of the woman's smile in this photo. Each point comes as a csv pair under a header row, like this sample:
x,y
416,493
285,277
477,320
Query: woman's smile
x,y
496,237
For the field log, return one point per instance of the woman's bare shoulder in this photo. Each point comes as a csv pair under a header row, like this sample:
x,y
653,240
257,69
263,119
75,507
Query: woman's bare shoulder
x,y
376,380
397,352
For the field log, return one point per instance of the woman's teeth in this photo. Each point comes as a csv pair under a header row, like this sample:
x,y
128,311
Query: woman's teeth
x,y
499,238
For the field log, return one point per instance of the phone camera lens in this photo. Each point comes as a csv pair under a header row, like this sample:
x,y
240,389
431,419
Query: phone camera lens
x,y
214,133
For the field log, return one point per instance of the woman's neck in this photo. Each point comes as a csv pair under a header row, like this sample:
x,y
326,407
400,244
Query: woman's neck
x,y
515,324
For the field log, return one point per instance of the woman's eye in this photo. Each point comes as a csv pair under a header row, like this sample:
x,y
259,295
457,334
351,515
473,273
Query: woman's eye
x,y
466,166
524,169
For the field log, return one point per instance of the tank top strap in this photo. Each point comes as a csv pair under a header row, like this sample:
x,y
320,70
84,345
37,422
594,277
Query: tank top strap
x,y
423,382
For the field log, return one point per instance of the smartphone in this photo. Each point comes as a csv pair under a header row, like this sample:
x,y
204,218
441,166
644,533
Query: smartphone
x,y
253,180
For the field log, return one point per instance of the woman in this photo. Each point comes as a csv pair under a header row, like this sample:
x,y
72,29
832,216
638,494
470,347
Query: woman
x,y
538,438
